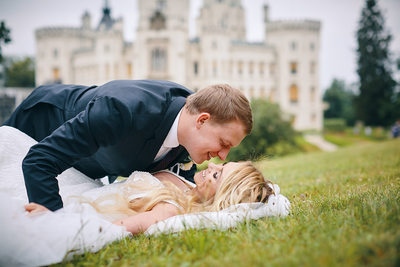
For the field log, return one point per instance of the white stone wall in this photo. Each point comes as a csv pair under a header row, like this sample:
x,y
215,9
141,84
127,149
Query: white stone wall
x,y
298,42
55,47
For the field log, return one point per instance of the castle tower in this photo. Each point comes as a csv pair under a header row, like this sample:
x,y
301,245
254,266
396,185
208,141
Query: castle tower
x,y
108,48
161,40
219,24
297,48
86,21
222,18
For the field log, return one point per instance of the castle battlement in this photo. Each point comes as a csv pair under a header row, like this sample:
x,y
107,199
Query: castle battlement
x,y
61,32
292,25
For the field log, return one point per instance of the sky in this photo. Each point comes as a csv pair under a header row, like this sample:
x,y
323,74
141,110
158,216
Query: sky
x,y
339,19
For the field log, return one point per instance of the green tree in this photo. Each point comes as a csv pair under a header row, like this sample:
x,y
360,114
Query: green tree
x,y
375,103
20,73
340,102
4,37
269,130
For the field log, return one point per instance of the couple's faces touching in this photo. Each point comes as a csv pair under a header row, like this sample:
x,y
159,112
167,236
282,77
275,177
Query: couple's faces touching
x,y
210,139
208,180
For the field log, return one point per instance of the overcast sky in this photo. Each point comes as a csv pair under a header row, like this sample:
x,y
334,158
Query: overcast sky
x,y
339,24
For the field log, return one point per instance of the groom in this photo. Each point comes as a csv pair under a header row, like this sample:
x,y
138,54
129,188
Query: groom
x,y
125,126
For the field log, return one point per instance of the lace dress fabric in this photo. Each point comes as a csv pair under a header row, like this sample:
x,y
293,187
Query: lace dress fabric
x,y
49,237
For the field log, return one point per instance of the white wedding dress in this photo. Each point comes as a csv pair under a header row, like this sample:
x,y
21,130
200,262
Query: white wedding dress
x,y
50,237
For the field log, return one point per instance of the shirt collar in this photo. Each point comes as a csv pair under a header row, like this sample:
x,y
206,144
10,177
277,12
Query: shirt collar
x,y
172,138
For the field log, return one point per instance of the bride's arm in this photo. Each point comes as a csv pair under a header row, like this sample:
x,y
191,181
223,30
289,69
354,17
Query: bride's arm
x,y
139,223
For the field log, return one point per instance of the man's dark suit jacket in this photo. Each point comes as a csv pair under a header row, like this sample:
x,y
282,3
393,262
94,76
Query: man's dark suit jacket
x,y
113,130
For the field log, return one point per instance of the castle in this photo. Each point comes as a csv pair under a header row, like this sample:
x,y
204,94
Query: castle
x,y
283,69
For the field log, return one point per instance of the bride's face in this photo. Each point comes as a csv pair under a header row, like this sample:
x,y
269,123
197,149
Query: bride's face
x,y
209,180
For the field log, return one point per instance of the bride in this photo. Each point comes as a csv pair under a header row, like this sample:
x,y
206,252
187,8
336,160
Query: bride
x,y
94,215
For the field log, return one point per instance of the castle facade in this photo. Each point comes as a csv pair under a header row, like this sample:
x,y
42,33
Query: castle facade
x,y
284,68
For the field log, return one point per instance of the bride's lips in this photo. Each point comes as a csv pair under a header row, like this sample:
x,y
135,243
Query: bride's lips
x,y
199,178
203,175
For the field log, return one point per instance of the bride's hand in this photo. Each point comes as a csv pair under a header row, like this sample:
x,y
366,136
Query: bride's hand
x,y
34,207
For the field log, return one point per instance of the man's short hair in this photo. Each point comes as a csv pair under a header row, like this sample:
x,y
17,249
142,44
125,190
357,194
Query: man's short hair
x,y
224,103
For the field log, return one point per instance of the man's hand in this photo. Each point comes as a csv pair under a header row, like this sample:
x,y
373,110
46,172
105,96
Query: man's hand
x,y
34,207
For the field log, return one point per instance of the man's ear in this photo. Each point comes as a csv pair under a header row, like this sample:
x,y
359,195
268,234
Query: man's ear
x,y
202,118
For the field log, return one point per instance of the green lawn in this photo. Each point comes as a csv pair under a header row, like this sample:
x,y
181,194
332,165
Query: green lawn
x,y
345,212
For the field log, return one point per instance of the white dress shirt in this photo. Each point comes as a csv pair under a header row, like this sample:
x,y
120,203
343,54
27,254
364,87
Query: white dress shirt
x,y
171,140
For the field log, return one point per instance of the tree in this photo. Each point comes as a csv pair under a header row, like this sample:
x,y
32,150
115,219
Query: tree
x,y
4,36
375,103
340,101
269,130
20,73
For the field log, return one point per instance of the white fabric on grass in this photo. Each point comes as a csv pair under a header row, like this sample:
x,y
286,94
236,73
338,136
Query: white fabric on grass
x,y
277,205
51,237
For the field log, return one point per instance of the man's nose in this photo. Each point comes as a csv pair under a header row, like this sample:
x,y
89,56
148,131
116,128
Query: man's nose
x,y
223,153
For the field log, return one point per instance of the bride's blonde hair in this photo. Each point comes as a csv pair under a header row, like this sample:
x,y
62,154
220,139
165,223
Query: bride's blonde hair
x,y
243,185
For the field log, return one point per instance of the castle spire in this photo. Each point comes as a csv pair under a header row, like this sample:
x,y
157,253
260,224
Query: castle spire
x,y
106,21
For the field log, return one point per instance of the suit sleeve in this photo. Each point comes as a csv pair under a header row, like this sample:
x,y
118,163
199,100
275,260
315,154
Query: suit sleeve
x,y
102,123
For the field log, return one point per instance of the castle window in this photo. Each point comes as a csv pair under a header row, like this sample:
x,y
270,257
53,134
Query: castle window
x,y
262,92
313,117
251,68
55,53
157,21
293,46
261,67
56,74
293,67
240,67
129,70
158,60
272,95
312,67
196,68
106,48
107,71
312,94
312,46
294,93
272,68
116,71
161,4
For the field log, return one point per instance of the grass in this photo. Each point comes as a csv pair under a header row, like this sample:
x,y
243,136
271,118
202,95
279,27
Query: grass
x,y
348,137
345,212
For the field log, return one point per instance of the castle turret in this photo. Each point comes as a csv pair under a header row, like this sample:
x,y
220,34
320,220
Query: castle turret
x,y
162,39
106,22
222,17
266,13
86,21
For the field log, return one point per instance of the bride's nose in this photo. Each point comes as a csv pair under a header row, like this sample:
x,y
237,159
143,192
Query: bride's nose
x,y
211,165
214,166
